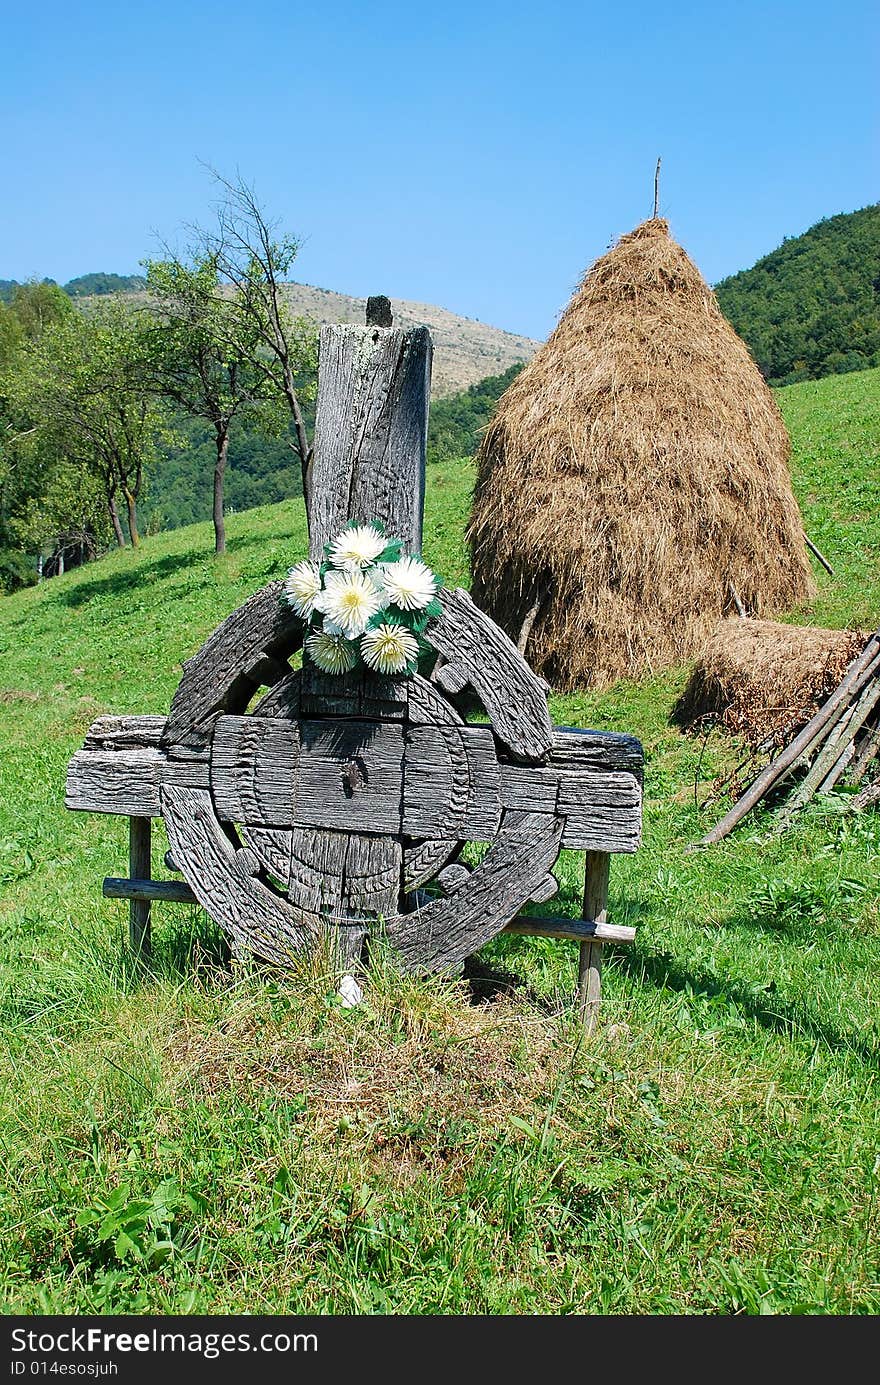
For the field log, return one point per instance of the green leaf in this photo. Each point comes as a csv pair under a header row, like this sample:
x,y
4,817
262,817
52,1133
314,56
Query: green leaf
x,y
524,1126
391,552
124,1246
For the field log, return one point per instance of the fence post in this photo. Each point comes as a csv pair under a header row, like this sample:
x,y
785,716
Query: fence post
x,y
139,868
590,963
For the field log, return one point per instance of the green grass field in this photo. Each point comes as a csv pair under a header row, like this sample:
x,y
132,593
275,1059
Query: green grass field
x,y
198,1139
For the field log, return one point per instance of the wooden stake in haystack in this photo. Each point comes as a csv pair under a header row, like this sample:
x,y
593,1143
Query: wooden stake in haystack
x,y
842,739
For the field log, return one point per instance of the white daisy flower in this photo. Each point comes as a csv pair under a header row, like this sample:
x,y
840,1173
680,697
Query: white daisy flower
x,y
389,648
332,653
357,548
409,583
349,600
303,584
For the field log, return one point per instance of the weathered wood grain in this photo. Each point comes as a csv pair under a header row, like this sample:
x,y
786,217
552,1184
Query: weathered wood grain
x,y
125,733
422,860
574,749
453,877
225,673
370,432
126,782
546,889
350,776
254,770
450,678
320,861
372,875
120,782
371,885
451,785
580,930
272,847
166,891
360,693
343,880
602,812
529,788
426,707
595,907
442,934
256,918
513,696
283,699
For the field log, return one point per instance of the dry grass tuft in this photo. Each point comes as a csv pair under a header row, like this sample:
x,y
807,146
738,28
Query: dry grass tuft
x,y
763,681
635,469
392,1078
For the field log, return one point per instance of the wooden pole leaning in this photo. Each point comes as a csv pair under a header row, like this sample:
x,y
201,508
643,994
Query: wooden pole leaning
x,y
139,910
596,911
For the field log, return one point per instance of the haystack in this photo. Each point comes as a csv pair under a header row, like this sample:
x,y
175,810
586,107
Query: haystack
x,y
634,476
763,681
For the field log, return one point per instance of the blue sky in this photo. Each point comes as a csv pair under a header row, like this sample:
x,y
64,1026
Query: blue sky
x,y
475,155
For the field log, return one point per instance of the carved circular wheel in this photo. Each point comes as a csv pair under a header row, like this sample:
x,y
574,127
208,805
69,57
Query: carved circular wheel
x,y
334,799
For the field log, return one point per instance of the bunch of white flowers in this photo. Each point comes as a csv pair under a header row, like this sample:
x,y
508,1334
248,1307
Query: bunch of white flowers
x,y
366,602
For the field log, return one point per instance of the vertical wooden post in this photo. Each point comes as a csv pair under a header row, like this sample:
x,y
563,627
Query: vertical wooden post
x,y
596,910
371,427
139,868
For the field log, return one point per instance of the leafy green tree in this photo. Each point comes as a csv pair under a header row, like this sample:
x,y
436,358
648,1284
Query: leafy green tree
x,y
39,304
31,309
95,423
202,360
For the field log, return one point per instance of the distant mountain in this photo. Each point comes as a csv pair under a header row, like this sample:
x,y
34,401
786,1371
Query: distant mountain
x,y
94,284
86,286
465,351
812,307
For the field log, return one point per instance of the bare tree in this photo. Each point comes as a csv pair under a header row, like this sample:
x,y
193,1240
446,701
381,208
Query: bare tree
x,y
254,262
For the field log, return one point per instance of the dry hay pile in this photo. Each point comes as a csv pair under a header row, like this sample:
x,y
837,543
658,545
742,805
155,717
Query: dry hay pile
x,y
634,471
763,681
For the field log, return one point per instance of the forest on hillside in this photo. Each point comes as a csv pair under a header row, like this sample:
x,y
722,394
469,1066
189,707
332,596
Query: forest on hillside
x,y
83,286
812,307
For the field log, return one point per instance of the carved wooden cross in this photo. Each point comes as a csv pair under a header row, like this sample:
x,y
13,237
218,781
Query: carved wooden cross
x,y
298,803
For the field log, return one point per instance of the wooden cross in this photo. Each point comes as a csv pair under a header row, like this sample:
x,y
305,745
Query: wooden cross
x,y
300,805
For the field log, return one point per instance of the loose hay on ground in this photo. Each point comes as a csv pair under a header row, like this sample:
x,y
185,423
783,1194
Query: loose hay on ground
x,y
763,681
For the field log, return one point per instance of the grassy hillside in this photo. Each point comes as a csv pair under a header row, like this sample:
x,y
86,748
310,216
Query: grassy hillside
x,y
812,307
196,1139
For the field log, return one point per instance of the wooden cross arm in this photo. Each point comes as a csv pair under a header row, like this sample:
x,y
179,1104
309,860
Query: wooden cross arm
x,y
419,781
